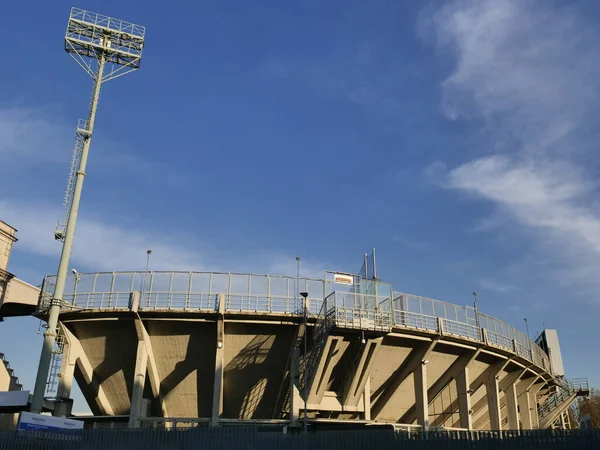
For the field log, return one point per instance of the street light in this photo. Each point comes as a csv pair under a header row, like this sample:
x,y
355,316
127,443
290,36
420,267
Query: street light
x,y
476,307
143,285
304,295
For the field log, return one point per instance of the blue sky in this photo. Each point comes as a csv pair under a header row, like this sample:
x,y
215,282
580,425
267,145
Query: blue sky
x,y
455,137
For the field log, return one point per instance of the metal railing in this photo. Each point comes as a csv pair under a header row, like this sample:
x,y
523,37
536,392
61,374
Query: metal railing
x,y
499,340
407,319
461,329
260,436
347,306
359,311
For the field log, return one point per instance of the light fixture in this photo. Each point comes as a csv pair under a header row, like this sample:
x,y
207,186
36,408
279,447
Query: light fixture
x,y
363,341
425,361
219,344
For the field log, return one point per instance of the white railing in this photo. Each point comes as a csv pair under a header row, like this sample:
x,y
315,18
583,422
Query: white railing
x,y
461,329
407,319
267,294
499,340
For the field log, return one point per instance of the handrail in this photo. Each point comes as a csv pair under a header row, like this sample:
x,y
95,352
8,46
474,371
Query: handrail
x,y
269,294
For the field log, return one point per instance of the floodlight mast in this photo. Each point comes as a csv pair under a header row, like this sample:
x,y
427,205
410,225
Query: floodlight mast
x,y
115,48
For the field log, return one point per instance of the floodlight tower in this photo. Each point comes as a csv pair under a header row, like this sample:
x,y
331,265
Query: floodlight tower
x,y
105,48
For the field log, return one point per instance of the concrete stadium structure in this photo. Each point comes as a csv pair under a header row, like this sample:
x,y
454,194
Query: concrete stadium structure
x,y
191,348
17,297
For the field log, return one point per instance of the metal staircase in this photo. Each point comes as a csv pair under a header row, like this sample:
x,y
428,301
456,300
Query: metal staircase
x,y
559,401
321,330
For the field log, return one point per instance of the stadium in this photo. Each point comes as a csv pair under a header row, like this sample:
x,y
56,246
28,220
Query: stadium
x,y
168,349
152,349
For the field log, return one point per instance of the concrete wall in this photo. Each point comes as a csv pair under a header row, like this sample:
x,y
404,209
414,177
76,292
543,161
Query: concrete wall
x,y
255,360
393,354
184,352
7,421
4,377
110,346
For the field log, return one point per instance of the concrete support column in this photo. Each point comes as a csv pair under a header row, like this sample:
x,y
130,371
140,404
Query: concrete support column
x,y
139,380
295,399
421,400
217,407
511,406
367,399
525,411
493,400
355,384
463,387
329,358
535,419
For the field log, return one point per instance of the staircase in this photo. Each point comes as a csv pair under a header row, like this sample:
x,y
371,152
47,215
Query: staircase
x,y
321,330
560,401
14,384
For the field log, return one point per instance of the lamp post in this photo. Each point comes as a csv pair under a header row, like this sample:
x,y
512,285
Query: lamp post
x,y
304,295
143,285
476,307
297,291
105,48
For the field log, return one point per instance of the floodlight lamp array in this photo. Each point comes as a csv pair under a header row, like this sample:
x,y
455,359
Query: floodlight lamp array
x,y
90,36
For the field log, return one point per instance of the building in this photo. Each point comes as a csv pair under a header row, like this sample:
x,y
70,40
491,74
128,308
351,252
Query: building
x,y
163,349
17,298
214,349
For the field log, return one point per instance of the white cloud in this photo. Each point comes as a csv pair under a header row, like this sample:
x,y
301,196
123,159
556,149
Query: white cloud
x,y
108,246
529,74
493,285
41,138
31,135
98,245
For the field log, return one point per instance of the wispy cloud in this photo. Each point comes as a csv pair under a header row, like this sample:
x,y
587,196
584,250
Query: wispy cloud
x,y
32,135
529,75
101,245
497,286
41,137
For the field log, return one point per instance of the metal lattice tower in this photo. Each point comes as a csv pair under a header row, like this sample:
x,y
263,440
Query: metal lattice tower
x,y
105,48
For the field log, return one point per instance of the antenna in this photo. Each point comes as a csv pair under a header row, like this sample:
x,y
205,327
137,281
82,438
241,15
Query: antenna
x,y
105,48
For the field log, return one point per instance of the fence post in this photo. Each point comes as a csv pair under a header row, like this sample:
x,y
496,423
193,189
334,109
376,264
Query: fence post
x,y
134,301
484,334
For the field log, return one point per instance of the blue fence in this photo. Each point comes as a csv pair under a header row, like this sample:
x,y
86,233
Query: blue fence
x,y
274,439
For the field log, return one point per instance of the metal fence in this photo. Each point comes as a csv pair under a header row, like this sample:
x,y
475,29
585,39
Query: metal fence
x,y
265,438
356,305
